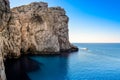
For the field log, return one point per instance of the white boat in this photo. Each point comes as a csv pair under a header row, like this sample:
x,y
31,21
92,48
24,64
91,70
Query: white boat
x,y
83,48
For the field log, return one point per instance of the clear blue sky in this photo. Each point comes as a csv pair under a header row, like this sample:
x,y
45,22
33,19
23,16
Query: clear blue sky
x,y
90,20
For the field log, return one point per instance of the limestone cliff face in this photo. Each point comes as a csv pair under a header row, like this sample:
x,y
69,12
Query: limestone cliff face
x,y
35,27
4,18
32,28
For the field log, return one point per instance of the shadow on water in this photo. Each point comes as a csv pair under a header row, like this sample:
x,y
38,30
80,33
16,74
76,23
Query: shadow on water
x,y
54,68
37,67
17,69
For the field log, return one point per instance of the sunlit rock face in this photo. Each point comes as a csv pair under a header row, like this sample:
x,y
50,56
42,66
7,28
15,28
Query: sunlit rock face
x,y
34,28
40,29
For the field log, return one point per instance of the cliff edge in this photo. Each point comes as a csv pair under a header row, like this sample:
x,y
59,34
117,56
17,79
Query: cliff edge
x,y
32,29
37,29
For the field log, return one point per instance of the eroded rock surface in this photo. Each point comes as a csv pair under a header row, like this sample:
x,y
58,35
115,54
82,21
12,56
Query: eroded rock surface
x,y
34,28
4,19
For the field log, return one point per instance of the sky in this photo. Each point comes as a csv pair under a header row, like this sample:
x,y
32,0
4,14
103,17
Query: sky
x,y
90,21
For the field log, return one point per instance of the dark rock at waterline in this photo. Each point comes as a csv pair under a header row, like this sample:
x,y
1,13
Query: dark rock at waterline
x,y
72,49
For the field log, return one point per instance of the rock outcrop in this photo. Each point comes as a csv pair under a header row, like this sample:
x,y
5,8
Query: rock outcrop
x,y
38,29
32,28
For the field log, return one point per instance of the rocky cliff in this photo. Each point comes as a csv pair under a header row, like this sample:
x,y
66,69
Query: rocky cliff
x,y
33,28
4,19
38,29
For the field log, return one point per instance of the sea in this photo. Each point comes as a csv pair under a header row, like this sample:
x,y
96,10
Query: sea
x,y
93,61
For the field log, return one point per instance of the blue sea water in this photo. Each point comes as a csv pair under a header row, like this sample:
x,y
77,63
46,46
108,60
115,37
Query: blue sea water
x,y
100,62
